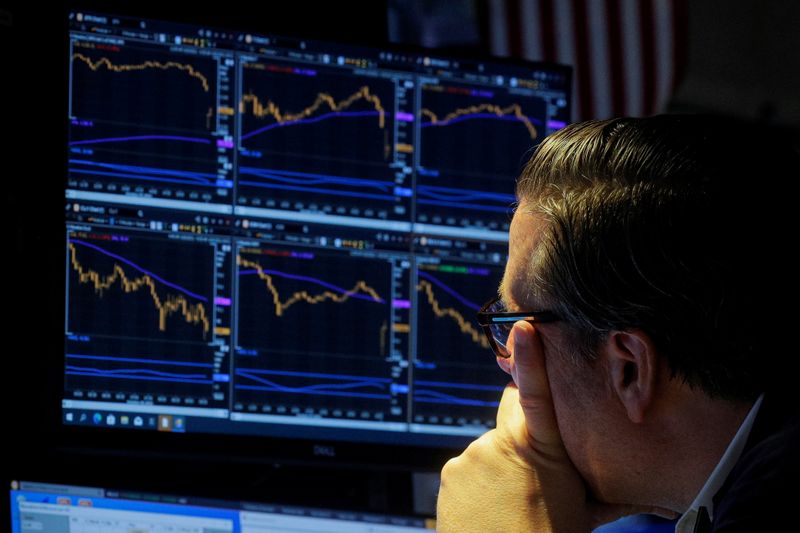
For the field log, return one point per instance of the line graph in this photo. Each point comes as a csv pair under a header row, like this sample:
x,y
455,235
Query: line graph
x,y
320,183
512,112
250,102
85,167
426,392
465,199
473,144
334,293
456,380
106,63
348,386
144,121
104,283
160,89
492,130
449,295
342,298
466,327
319,321
319,140
140,377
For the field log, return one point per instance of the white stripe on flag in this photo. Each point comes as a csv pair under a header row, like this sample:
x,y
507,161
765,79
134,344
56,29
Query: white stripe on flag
x,y
565,48
532,47
664,42
599,59
499,27
632,57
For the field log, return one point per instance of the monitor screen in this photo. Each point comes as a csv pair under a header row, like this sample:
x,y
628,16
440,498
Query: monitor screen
x,y
54,508
284,237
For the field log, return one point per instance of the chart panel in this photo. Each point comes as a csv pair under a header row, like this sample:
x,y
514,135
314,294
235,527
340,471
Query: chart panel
x,y
316,332
456,379
145,317
324,140
149,121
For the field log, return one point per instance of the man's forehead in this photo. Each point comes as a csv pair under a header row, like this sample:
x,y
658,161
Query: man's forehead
x,y
524,237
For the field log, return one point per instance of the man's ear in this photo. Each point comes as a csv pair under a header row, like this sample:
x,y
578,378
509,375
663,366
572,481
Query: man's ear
x,y
633,368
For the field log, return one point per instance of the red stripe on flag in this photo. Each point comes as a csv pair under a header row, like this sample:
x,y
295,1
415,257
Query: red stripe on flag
x,y
514,18
548,33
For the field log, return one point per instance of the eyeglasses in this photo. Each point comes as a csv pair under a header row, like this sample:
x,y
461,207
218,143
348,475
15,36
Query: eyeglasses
x,y
497,323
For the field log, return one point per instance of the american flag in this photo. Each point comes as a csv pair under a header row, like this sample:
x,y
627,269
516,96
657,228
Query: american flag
x,y
628,55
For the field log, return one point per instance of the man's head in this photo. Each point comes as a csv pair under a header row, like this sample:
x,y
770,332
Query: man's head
x,y
661,243
670,224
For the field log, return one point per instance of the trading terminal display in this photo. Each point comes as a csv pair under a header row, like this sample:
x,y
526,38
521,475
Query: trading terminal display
x,y
278,236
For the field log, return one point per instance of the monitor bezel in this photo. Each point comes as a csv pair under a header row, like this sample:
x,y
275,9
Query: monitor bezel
x,y
47,231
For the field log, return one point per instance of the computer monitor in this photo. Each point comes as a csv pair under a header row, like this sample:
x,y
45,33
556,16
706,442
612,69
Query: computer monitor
x,y
285,237
41,507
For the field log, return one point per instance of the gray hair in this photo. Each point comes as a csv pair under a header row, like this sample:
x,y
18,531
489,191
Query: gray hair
x,y
642,230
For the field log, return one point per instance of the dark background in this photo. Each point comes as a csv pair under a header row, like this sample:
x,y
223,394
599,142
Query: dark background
x,y
743,60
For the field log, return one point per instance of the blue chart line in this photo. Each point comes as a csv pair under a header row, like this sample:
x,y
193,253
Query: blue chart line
x,y
136,360
198,140
146,173
140,269
448,290
432,396
311,121
321,389
473,116
461,198
132,373
311,280
300,181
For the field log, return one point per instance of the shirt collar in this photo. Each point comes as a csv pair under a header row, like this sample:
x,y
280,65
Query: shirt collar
x,y
705,498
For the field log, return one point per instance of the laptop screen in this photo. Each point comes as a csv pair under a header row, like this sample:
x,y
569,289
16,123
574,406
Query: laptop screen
x,y
51,508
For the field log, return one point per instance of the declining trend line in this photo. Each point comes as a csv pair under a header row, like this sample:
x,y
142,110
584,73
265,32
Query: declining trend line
x,y
260,110
144,173
448,290
306,182
134,371
193,313
324,389
483,110
463,324
360,289
104,61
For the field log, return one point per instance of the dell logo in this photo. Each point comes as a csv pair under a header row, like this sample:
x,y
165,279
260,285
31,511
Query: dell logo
x,y
324,451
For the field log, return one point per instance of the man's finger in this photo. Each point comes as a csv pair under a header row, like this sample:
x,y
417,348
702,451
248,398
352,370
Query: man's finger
x,y
509,407
530,374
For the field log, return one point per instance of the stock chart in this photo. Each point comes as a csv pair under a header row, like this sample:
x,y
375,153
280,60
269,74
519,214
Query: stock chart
x,y
318,140
473,144
314,330
290,234
144,121
456,379
140,317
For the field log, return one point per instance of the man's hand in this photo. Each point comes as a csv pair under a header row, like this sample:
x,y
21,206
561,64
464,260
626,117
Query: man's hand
x,y
518,477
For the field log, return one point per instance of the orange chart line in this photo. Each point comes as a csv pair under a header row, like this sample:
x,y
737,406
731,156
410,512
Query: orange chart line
x,y
193,313
304,296
261,110
464,325
104,61
513,109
